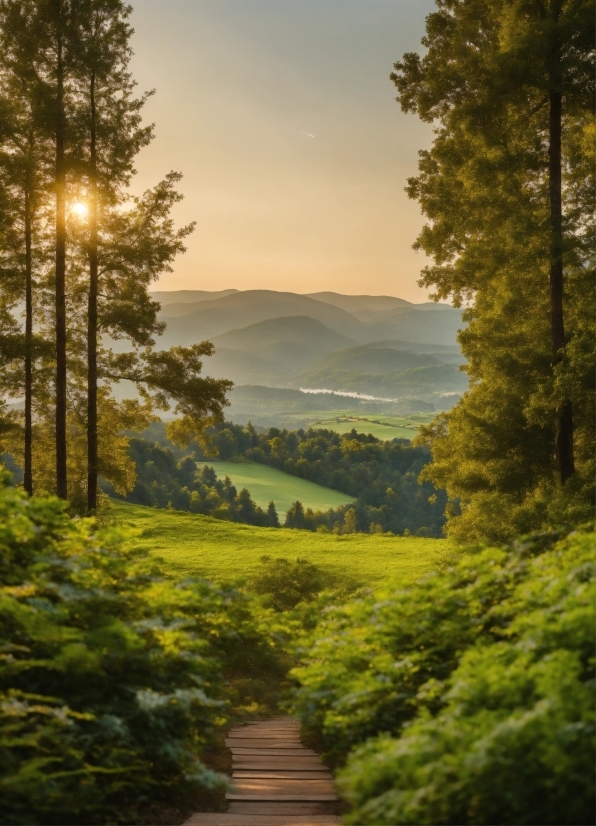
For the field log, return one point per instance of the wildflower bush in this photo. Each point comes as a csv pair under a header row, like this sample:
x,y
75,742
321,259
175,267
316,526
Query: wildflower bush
x,y
467,697
112,680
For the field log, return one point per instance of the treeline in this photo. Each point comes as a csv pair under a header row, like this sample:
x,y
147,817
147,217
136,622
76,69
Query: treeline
x,y
79,252
507,188
382,476
163,481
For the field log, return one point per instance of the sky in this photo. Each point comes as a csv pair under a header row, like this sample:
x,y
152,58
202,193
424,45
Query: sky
x,y
281,116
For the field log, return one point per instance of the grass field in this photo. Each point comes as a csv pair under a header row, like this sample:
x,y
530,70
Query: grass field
x,y
381,426
266,484
194,545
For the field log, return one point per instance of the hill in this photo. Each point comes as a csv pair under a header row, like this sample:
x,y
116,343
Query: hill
x,y
429,326
231,312
239,366
363,307
289,342
417,381
372,358
266,484
190,321
194,545
178,300
283,407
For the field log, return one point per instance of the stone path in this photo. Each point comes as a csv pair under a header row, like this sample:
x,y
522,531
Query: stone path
x,y
277,781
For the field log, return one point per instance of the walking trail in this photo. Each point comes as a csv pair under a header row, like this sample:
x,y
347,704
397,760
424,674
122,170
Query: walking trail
x,y
277,781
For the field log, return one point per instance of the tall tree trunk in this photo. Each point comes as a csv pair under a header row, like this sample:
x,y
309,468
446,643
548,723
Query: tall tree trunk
x,y
92,316
60,182
565,458
28,465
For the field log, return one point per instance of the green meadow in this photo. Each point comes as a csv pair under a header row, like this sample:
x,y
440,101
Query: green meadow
x,y
267,484
385,427
193,545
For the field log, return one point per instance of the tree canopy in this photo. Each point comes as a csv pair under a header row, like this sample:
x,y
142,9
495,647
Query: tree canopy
x,y
509,89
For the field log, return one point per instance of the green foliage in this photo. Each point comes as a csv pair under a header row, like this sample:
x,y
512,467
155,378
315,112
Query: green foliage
x,y
163,482
285,584
487,81
193,545
111,679
266,483
382,475
466,697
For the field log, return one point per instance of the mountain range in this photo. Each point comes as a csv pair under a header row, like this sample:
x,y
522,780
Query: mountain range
x,y
382,346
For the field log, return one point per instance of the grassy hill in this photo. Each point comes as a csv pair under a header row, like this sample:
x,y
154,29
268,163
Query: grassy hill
x,y
266,484
193,545
378,425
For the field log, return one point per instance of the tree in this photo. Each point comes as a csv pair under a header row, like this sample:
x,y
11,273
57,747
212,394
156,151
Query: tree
x,y
114,136
26,168
295,517
80,92
350,522
272,517
506,189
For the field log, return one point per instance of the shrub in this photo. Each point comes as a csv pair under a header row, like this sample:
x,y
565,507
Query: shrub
x,y
467,697
284,584
111,680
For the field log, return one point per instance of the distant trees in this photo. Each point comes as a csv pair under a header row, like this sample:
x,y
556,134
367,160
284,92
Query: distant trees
x,y
383,476
507,188
162,481
79,253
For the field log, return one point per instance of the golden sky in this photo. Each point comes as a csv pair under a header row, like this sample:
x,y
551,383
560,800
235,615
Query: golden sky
x,y
283,120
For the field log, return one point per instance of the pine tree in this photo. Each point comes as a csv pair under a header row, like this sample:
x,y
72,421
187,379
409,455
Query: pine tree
x,y
114,136
272,517
295,517
25,159
75,56
509,88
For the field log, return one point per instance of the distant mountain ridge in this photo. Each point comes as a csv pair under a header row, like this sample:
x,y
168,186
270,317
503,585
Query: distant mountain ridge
x,y
378,345
196,321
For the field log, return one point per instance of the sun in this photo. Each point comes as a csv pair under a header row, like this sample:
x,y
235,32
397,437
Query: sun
x,y
80,209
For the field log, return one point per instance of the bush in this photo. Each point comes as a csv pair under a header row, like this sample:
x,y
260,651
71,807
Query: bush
x,y
468,697
285,584
111,680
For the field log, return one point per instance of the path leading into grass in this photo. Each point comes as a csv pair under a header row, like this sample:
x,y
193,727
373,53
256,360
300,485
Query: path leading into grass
x,y
277,781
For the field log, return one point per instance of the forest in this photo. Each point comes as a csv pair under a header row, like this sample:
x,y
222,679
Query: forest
x,y
381,475
439,652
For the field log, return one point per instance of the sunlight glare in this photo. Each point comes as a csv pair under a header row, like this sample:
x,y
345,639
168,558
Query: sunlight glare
x,y
80,210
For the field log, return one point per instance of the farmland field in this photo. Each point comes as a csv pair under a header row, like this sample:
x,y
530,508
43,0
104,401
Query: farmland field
x,y
267,484
195,545
381,426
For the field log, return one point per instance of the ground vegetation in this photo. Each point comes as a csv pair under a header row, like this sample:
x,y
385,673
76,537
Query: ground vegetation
x,y
115,683
466,697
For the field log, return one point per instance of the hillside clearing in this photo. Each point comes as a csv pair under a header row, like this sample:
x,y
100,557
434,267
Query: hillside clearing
x,y
199,546
267,484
